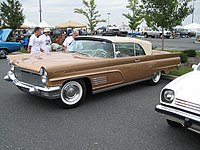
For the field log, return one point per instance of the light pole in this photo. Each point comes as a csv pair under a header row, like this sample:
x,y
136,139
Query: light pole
x,y
40,10
108,18
193,11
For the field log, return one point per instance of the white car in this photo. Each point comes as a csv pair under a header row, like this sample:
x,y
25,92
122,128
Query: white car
x,y
180,101
167,34
149,32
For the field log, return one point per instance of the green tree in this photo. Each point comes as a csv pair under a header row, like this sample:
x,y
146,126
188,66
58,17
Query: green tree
x,y
135,18
11,14
90,13
0,17
0,21
165,14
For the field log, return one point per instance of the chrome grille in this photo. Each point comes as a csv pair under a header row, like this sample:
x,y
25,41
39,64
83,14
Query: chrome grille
x,y
28,77
187,104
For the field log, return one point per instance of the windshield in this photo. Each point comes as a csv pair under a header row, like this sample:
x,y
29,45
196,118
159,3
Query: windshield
x,y
92,48
4,33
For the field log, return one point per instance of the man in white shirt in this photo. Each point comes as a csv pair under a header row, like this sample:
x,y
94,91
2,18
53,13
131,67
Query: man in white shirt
x,y
70,39
45,41
34,42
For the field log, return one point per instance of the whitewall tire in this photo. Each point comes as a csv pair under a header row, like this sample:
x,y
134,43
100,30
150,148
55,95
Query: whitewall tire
x,y
155,79
72,94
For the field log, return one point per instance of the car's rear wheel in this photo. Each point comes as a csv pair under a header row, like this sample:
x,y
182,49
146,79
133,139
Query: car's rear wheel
x,y
155,79
174,124
3,53
72,94
145,35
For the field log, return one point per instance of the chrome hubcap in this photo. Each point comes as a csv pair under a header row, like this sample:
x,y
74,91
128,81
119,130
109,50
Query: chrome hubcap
x,y
156,76
71,92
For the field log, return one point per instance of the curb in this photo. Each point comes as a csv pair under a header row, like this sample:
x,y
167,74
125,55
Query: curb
x,y
169,77
15,53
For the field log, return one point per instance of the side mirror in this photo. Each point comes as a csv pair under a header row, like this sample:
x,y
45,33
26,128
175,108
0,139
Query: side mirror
x,y
194,66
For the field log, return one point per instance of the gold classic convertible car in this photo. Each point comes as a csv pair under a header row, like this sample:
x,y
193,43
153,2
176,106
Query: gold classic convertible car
x,y
91,65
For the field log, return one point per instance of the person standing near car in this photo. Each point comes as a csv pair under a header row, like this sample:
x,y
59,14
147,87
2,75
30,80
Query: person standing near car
x,y
45,41
34,42
70,39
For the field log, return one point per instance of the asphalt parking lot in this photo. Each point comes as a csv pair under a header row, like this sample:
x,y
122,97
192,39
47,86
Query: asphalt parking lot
x,y
175,44
121,119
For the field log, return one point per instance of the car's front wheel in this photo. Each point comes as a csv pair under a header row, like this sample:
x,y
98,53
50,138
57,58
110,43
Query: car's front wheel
x,y
174,124
155,78
3,53
72,94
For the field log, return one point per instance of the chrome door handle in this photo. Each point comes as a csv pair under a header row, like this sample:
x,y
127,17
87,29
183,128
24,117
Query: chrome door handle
x,y
137,60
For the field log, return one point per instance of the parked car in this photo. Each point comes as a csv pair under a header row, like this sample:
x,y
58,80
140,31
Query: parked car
x,y
7,46
134,33
180,101
181,32
167,34
92,65
149,32
100,30
191,33
114,31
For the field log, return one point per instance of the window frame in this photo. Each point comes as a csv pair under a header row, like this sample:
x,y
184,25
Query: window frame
x,y
115,49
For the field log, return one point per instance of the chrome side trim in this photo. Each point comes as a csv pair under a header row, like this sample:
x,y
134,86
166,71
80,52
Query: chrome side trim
x,y
187,104
99,80
194,130
118,86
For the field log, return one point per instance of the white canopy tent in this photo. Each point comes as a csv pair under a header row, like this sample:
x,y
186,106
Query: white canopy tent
x,y
193,27
43,24
71,24
178,27
142,26
28,24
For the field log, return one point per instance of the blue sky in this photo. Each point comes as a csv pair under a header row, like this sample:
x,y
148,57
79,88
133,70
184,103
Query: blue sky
x,y
58,11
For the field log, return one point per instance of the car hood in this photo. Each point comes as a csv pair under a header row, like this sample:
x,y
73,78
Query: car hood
x,y
52,62
4,33
187,87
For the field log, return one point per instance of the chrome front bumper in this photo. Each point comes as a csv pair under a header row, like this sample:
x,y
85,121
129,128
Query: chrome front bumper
x,y
187,119
47,92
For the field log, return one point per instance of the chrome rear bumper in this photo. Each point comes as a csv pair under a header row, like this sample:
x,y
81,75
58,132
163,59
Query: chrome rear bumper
x,y
47,92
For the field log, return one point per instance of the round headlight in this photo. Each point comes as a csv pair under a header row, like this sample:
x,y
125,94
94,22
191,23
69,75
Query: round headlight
x,y
168,96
